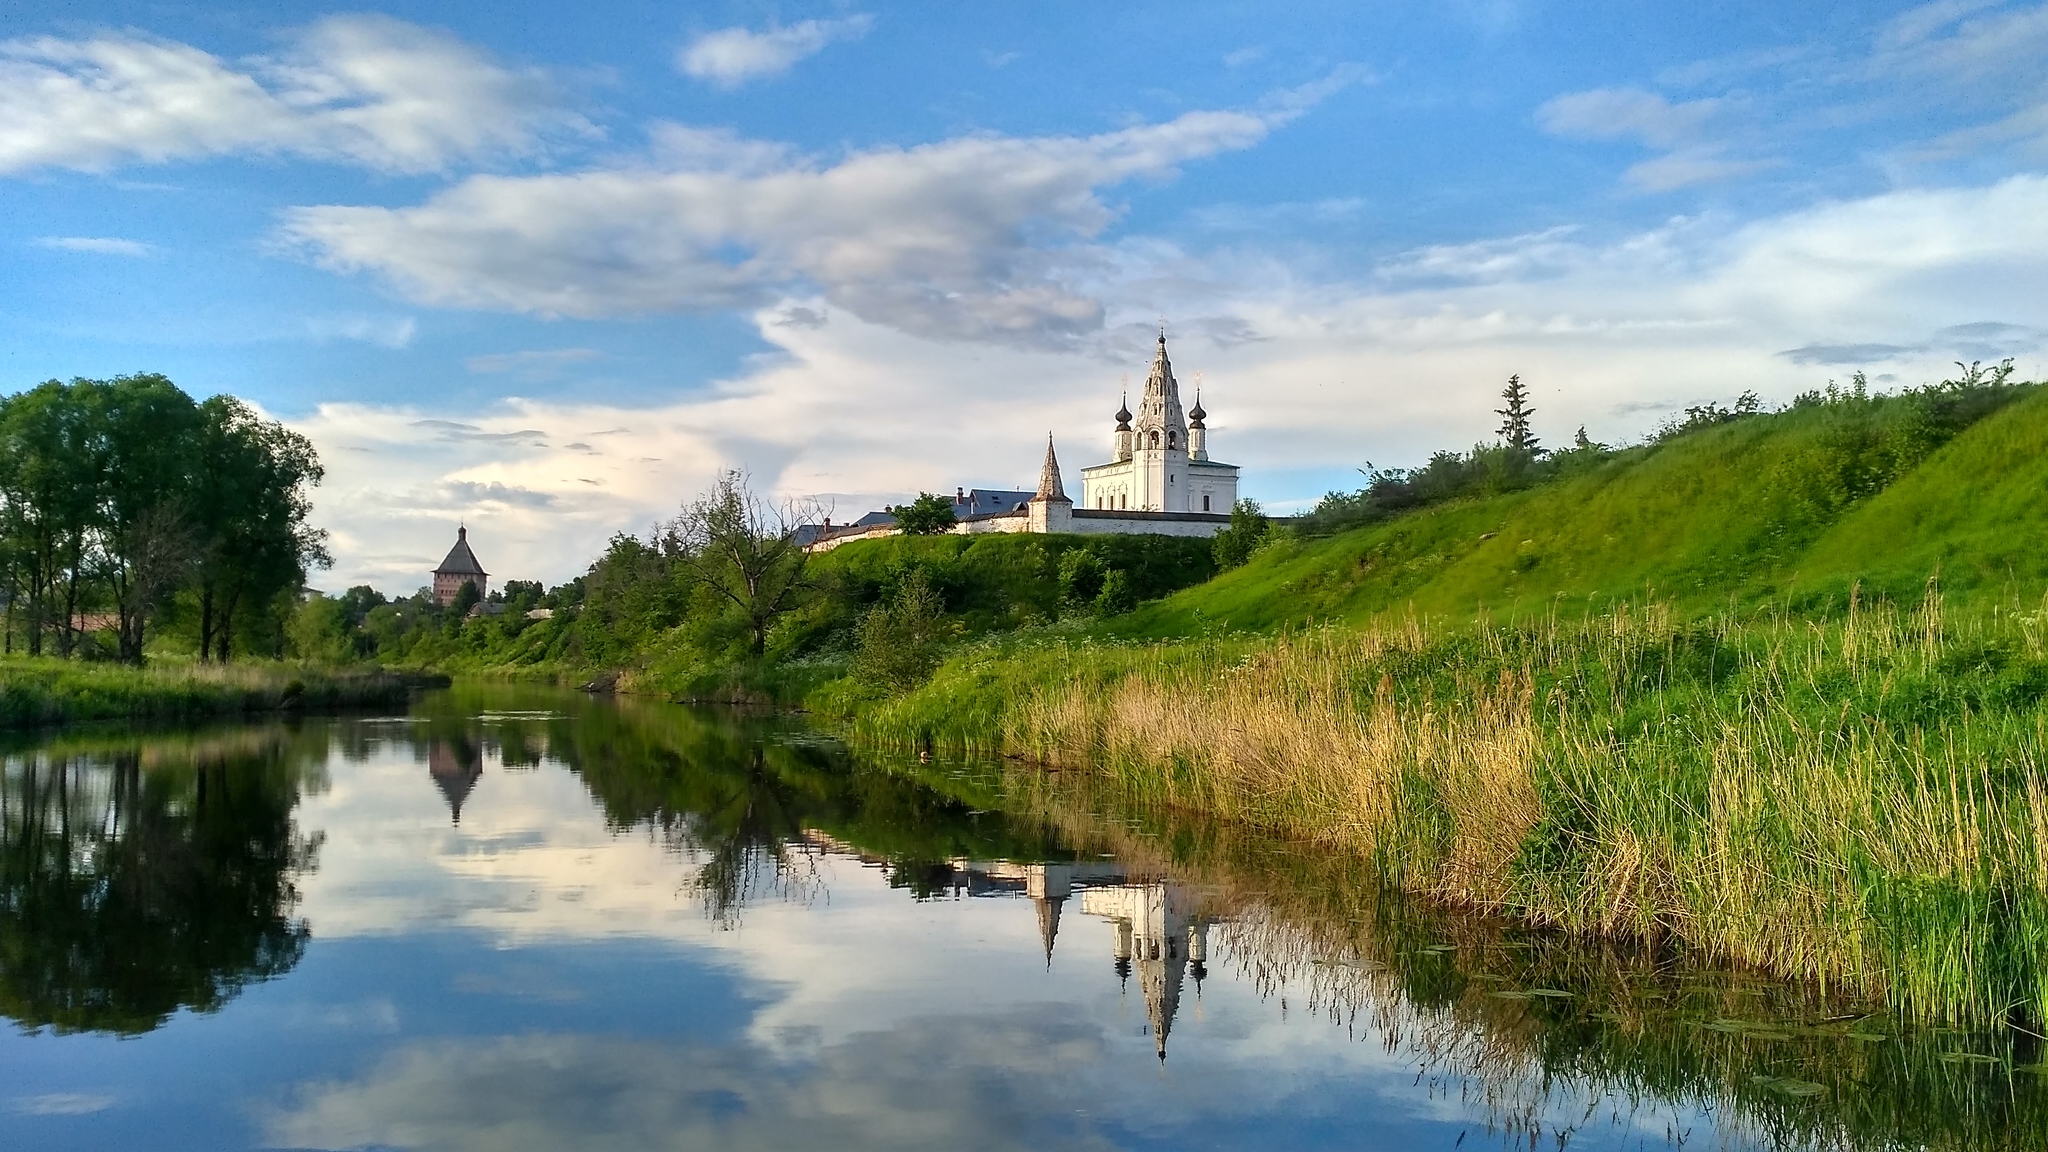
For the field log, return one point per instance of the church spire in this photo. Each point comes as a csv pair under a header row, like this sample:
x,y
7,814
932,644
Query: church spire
x,y
1049,488
1048,922
1160,382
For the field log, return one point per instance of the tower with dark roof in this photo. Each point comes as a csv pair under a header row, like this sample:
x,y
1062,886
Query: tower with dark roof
x,y
458,569
1050,510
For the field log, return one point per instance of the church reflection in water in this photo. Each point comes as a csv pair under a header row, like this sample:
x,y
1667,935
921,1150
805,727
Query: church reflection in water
x,y
1161,926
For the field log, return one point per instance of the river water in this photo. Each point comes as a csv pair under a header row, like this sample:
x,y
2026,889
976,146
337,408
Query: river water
x,y
517,919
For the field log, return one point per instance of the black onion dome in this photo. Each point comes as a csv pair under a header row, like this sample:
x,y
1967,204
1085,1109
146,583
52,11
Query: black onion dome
x,y
1196,415
1123,415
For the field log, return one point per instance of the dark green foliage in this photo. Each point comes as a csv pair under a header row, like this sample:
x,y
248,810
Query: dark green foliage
x,y
466,597
638,609
928,515
251,502
1116,597
900,641
1236,543
1710,414
1487,470
1080,578
37,691
119,498
519,594
175,894
357,602
731,545
1514,420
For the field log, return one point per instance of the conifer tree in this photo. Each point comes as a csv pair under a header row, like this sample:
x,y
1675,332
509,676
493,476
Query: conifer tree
x,y
1514,424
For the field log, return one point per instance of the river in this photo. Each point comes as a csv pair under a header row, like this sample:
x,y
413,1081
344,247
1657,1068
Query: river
x,y
526,919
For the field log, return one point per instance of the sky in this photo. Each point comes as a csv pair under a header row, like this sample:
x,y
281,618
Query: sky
x,y
547,269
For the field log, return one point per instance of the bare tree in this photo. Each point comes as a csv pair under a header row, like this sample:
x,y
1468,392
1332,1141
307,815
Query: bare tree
x,y
732,542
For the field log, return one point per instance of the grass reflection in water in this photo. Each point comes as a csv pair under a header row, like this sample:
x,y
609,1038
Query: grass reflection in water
x,y
1639,1034
145,873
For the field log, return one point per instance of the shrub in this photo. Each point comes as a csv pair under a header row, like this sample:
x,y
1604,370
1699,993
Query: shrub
x,y
1080,578
1248,528
902,639
1117,595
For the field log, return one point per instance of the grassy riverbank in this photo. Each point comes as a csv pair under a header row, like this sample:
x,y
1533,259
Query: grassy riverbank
x,y
1538,1024
1856,801
52,691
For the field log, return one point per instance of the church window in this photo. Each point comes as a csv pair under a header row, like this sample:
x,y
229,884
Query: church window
x,y
1171,437
1155,440
1205,501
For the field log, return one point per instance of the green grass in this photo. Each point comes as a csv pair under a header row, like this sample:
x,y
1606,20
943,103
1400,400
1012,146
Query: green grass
x,y
39,691
1858,801
1765,510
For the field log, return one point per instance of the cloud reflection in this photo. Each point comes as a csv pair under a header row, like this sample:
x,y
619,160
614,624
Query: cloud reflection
x,y
995,1083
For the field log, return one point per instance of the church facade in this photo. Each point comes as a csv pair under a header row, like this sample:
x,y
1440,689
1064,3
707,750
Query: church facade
x,y
1160,457
1159,481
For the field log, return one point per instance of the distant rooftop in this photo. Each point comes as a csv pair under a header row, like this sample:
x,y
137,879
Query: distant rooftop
x,y
461,561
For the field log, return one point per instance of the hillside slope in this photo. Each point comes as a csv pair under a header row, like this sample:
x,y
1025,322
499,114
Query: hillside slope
x,y
1795,505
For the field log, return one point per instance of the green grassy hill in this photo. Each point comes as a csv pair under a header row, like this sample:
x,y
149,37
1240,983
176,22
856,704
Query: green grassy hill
x,y
1791,507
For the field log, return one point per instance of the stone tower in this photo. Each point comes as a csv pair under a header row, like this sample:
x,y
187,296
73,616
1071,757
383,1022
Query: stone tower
x,y
1050,510
458,569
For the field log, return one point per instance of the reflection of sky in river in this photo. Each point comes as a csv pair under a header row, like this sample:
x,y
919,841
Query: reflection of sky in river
x,y
531,979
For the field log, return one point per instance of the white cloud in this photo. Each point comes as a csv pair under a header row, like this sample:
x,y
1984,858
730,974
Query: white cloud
x,y
976,238
532,365
731,57
1307,379
1690,166
393,332
62,1104
97,245
1990,61
1626,114
361,89
1679,130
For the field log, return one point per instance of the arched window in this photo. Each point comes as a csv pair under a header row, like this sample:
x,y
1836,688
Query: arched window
x,y
1155,440
1171,438
1205,501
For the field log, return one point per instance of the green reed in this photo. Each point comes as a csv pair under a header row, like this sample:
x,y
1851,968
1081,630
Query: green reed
x,y
1541,1025
45,690
1857,801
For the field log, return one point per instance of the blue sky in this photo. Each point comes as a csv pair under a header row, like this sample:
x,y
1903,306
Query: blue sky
x,y
546,271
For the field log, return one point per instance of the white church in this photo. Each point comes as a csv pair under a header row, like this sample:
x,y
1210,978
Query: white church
x,y
1159,481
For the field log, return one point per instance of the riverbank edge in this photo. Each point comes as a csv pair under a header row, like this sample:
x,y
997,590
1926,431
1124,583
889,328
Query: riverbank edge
x,y
1858,802
38,693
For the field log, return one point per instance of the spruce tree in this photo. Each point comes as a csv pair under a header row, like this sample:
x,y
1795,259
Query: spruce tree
x,y
1514,424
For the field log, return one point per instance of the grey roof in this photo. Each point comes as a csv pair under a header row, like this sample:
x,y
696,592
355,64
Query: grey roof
x,y
988,501
1049,487
461,561
874,518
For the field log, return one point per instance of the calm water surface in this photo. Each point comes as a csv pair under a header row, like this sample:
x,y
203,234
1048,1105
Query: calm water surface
x,y
520,919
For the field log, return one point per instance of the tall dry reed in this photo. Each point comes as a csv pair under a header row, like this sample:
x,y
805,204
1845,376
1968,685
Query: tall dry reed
x,y
1859,801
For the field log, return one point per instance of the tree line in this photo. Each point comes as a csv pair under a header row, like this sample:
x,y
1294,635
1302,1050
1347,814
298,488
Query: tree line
x,y
124,501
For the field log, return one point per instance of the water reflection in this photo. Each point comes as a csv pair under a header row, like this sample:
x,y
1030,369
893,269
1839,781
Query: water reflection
x,y
544,921
456,766
138,878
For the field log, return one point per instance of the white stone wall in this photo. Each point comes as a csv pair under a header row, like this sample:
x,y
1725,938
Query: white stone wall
x,y
1139,524
1216,481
